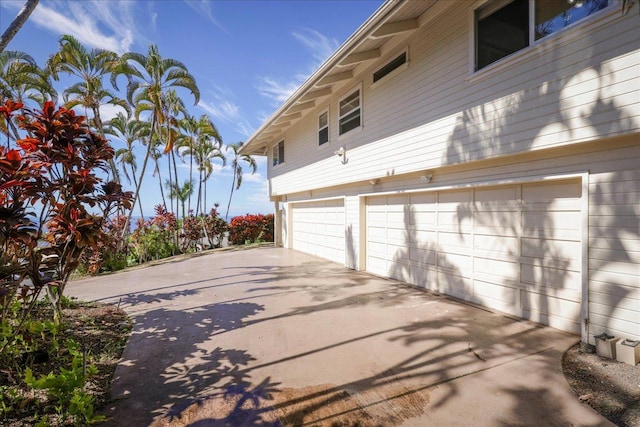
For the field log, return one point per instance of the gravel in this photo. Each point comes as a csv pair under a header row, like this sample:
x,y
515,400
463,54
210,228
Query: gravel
x,y
610,387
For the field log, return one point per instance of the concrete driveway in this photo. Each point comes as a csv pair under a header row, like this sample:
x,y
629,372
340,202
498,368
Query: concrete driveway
x,y
269,336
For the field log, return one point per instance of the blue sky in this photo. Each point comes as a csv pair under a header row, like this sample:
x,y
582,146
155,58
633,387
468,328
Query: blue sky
x,y
246,56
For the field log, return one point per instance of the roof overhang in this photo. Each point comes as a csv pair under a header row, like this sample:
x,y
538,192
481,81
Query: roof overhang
x,y
387,28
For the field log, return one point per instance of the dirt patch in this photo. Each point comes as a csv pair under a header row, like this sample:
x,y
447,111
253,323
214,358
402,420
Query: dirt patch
x,y
319,406
610,387
101,329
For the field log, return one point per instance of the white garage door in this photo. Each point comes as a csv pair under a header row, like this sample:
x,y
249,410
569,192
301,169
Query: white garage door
x,y
318,228
512,248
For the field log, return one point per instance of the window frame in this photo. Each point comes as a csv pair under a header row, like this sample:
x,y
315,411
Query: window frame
x,y
395,71
328,127
535,47
277,151
360,107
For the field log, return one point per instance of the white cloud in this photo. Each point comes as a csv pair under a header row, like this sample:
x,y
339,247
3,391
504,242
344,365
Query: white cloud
x,y
222,108
203,8
276,90
109,111
96,24
86,21
320,47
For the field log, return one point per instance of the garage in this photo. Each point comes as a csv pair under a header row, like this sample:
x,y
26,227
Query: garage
x,y
318,228
513,248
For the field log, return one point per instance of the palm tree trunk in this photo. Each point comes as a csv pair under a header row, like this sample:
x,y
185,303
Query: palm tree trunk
x,y
135,182
233,185
17,23
144,168
98,122
164,200
175,175
191,178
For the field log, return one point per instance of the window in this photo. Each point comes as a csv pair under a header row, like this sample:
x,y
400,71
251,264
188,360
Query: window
x,y
507,26
323,128
349,112
394,64
278,153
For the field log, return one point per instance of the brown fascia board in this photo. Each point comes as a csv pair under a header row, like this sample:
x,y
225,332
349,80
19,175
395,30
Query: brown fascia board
x,y
361,34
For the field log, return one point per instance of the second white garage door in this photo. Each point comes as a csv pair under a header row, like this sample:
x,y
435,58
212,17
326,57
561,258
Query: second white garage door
x,y
318,228
513,248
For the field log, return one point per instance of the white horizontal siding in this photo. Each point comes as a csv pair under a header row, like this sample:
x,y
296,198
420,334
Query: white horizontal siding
x,y
614,227
428,115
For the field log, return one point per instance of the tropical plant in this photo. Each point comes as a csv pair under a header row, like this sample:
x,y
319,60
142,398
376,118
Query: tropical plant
x,y
236,167
251,228
202,142
149,77
180,193
21,79
91,66
52,178
128,130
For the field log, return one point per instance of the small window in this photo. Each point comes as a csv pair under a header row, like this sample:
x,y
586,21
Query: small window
x,y
278,153
504,27
323,128
350,112
394,64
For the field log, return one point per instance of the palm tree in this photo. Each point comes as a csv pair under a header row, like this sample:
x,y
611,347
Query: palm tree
x,y
17,23
196,133
208,150
237,170
20,80
91,66
149,77
173,108
180,193
128,130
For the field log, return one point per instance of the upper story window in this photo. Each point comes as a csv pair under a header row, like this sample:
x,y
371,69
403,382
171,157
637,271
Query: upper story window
x,y
323,128
391,66
507,26
277,153
350,112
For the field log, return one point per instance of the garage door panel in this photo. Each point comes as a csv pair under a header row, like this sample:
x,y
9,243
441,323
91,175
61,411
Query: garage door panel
x,y
424,200
563,249
455,285
425,219
551,190
550,277
496,194
506,295
422,237
454,241
423,255
505,269
318,228
451,222
496,244
488,245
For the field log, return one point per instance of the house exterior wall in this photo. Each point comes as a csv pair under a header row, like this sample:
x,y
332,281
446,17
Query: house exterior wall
x,y
613,200
569,105
581,85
